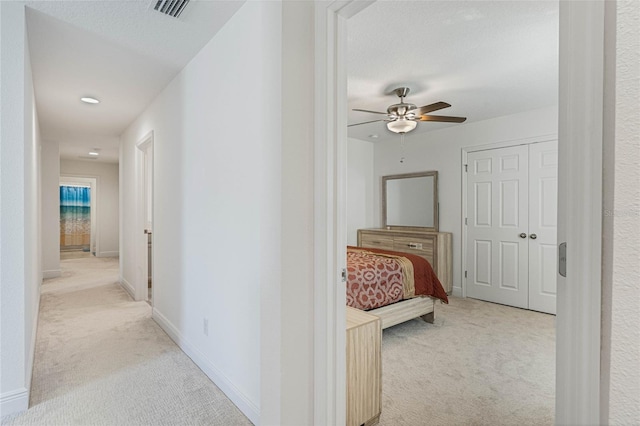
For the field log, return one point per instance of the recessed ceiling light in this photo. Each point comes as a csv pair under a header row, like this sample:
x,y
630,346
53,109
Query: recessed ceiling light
x,y
90,100
93,153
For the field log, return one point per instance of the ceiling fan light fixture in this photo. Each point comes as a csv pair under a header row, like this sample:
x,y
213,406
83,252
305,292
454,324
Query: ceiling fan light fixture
x,y
401,125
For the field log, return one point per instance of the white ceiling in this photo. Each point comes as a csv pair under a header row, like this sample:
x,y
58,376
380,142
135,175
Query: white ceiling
x,y
122,52
486,59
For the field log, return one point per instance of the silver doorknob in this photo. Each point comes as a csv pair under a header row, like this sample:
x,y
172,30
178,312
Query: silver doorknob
x,y
533,236
523,235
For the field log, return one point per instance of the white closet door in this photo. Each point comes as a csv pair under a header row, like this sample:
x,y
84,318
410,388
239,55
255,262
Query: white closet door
x,y
543,213
497,238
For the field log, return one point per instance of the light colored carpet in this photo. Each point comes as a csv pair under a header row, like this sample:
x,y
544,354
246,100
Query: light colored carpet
x,y
101,360
479,364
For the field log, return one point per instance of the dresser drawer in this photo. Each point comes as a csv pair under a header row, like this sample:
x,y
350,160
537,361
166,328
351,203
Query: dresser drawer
x,y
421,246
376,241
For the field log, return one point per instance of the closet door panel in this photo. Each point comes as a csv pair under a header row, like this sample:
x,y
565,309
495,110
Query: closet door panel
x,y
497,207
543,212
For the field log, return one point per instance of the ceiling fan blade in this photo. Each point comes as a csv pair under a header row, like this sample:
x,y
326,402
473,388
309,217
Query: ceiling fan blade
x,y
431,107
442,118
372,112
366,122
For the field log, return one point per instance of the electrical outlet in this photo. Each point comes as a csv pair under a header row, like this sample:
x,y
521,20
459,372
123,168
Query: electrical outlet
x,y
205,326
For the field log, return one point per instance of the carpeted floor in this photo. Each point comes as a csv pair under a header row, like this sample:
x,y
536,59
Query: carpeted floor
x,y
479,364
101,360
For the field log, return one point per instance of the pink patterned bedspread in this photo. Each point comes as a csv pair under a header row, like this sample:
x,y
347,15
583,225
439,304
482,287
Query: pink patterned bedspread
x,y
372,281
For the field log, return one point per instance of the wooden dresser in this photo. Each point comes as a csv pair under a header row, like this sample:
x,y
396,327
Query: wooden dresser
x,y
433,246
364,368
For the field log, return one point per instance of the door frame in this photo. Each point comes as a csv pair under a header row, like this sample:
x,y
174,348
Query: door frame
x,y
143,146
580,142
465,152
330,232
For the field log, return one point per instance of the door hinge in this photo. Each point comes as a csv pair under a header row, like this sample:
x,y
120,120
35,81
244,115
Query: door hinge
x,y
466,221
344,275
465,274
465,168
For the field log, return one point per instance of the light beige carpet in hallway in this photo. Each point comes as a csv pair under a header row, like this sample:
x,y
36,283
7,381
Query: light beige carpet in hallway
x,y
101,360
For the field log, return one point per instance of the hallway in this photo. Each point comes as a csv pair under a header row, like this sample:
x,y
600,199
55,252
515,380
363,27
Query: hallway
x,y
100,359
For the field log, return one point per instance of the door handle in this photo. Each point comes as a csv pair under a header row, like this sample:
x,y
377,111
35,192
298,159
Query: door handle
x,y
523,235
533,236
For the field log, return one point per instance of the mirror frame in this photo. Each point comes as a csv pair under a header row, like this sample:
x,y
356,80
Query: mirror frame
x,y
434,174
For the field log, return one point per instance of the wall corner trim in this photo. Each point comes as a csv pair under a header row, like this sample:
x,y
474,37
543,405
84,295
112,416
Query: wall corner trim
x,y
248,407
14,401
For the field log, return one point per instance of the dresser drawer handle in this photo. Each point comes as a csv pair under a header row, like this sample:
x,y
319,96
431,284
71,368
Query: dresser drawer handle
x,y
415,245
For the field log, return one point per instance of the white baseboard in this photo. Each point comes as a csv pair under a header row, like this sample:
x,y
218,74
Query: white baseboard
x,y
14,401
456,291
108,254
245,405
54,273
32,349
128,287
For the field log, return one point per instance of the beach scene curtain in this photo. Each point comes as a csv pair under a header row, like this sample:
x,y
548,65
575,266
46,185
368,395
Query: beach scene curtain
x,y
75,216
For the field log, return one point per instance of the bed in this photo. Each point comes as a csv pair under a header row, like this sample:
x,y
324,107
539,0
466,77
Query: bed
x,y
395,286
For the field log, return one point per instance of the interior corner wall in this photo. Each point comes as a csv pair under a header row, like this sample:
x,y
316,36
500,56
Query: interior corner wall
x,y
360,188
216,201
20,259
107,201
441,150
50,209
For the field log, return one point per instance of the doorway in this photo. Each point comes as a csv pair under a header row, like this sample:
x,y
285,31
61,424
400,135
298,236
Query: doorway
x,y
144,229
78,215
581,86
548,253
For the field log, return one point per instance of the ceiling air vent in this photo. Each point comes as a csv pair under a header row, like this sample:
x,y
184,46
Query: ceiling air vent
x,y
170,7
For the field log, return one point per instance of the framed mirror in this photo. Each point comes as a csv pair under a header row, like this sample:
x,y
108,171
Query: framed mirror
x,y
410,201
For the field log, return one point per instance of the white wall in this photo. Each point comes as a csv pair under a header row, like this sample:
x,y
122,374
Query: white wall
x,y
107,201
50,209
360,188
20,259
217,203
441,150
620,348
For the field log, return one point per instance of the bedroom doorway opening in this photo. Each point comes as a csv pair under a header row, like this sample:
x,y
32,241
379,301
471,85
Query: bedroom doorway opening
x,y
144,228
363,183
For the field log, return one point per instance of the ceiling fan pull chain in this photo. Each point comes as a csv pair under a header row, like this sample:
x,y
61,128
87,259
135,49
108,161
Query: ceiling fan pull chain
x,y
401,148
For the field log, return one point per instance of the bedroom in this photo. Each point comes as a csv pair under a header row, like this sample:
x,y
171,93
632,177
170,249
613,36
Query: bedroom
x,y
496,64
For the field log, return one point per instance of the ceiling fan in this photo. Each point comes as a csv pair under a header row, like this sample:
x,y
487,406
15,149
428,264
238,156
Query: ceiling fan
x,y
404,117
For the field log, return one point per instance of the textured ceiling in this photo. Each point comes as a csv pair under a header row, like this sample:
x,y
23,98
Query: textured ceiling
x,y
122,52
486,59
